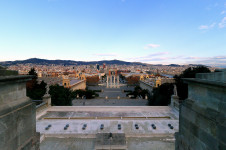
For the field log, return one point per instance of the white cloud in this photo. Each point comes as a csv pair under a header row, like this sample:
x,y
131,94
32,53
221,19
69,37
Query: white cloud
x,y
206,27
163,58
151,57
222,24
151,46
223,12
157,54
106,54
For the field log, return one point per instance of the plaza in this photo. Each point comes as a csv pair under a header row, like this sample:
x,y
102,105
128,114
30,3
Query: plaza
x,y
74,137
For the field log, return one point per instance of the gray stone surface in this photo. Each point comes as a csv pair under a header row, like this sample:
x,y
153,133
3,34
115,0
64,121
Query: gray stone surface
x,y
144,138
54,143
202,122
110,102
112,92
145,143
17,115
214,76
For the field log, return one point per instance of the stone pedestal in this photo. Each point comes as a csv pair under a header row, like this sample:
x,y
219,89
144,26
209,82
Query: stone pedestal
x,y
175,102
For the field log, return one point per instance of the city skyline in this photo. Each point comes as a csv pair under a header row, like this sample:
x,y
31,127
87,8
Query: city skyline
x,y
175,32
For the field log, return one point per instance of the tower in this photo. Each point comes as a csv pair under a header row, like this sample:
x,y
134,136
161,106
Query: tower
x,y
66,81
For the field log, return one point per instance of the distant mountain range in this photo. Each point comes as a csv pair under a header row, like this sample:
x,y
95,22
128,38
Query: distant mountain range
x,y
39,61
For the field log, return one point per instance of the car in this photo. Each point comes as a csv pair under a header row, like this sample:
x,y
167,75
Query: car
x,y
119,126
102,126
67,125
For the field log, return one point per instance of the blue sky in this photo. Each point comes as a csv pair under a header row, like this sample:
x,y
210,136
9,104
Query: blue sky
x,y
150,31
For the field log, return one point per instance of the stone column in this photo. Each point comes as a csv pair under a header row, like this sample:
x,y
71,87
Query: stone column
x,y
175,102
107,80
114,81
117,81
110,81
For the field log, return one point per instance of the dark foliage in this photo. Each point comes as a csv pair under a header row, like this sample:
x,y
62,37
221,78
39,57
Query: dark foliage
x,y
35,90
182,88
122,77
127,91
89,94
33,72
161,95
61,96
138,92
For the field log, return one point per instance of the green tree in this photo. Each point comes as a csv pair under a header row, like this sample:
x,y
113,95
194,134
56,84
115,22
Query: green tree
x,y
161,95
89,94
35,90
182,88
138,91
60,96
33,72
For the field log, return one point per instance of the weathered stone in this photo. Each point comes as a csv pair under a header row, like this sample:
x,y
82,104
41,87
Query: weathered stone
x,y
222,146
17,115
202,123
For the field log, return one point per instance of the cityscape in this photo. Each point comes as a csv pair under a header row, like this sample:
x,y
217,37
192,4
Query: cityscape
x,y
113,75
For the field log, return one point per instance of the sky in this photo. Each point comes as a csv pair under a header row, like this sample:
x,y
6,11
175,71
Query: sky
x,y
149,31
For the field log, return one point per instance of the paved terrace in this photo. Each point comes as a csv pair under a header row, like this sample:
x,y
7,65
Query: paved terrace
x,y
54,143
161,138
110,102
112,92
93,116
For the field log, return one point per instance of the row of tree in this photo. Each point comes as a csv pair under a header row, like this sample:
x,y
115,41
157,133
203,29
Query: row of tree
x,y
60,96
138,91
35,90
161,95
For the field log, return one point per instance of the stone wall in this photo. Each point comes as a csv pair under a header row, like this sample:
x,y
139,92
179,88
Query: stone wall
x,y
17,115
202,123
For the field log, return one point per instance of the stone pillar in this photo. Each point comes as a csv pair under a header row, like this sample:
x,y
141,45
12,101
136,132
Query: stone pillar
x,y
110,81
107,80
114,81
117,81
175,102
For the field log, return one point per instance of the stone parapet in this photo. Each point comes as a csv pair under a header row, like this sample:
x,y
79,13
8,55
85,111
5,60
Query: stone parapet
x,y
17,115
208,94
13,93
202,119
214,76
200,128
